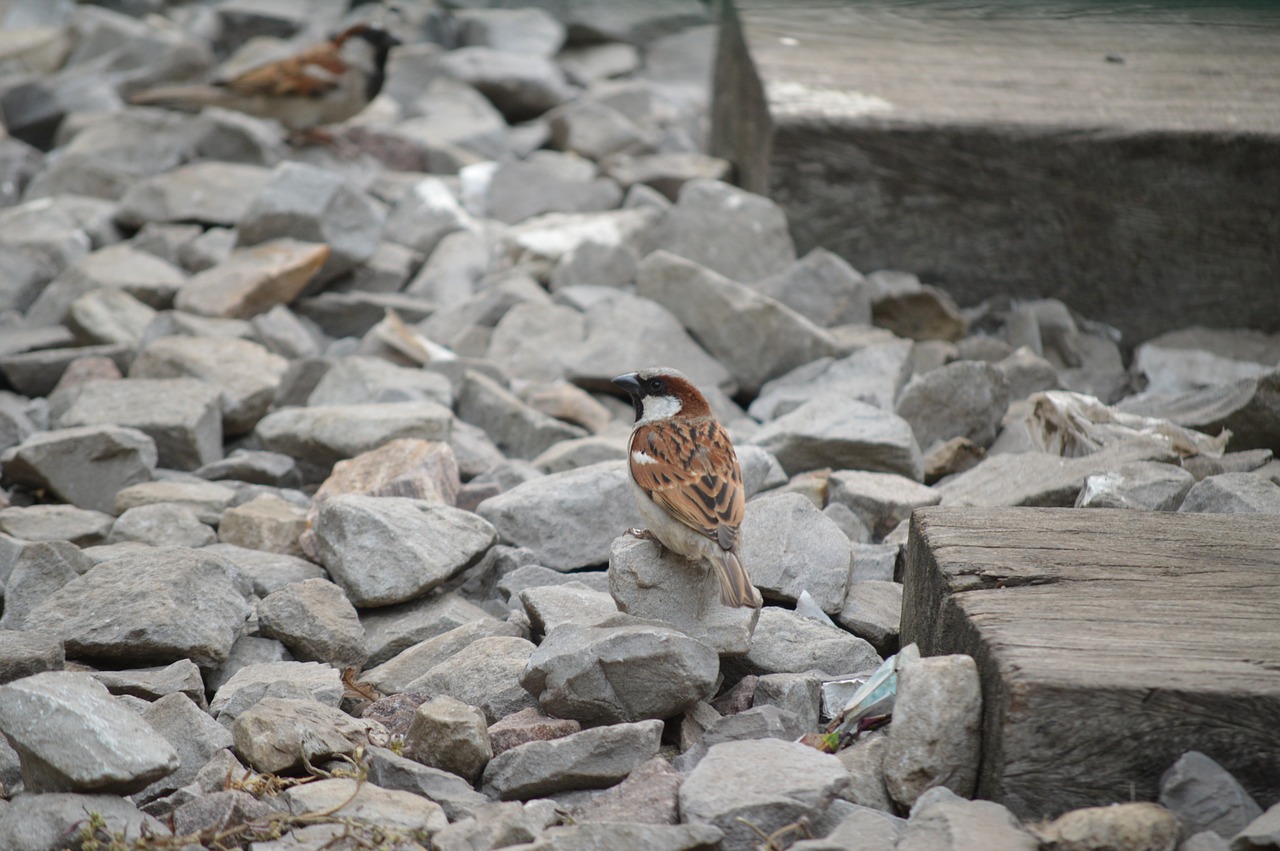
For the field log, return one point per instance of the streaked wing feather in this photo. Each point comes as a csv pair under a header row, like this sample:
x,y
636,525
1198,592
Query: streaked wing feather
x,y
308,74
702,484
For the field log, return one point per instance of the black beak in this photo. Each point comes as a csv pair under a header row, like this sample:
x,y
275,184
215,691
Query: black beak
x,y
629,383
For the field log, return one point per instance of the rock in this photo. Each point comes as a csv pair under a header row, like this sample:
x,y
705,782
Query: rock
x,y
1144,485
37,571
550,606
728,230
622,669
530,30
788,547
253,466
1206,840
255,681
139,608
943,821
366,379
123,268
858,829
549,237
253,280
162,524
36,373
276,734
593,129
785,642
392,629
962,399
206,500
1233,493
385,550
650,582
519,430
549,182
85,466
45,821
108,316
669,172
715,310
316,622
881,500
180,678
520,86
396,674
632,837
864,760
1138,825
799,694
872,610
765,783
449,735
591,759
1194,358
582,452
211,193
957,455
1262,832
382,809
194,735
569,520
267,571
484,674
324,435
497,824
594,264
1205,796
758,722
24,653
1246,461
80,526
649,795
72,736
924,313
452,793
841,433
528,725
215,810
934,737
1027,373
246,374
822,287
266,523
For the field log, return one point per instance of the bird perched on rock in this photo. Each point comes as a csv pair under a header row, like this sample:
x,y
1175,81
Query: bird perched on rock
x,y
686,478
324,84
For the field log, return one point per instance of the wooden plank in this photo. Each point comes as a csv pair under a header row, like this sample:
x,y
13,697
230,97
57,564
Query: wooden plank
x,y
1122,157
1109,643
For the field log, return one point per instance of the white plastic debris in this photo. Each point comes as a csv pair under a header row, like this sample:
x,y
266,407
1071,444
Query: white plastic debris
x,y
1073,425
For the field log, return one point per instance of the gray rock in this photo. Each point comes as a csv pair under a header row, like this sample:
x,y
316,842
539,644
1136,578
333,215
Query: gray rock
x,y
282,332
484,674
733,232
1205,796
391,630
255,681
258,467
1205,840
520,86
962,399
267,571
591,759
424,217
551,606
855,828
647,796
180,678
569,520
594,264
864,760
366,804
206,500
622,669
276,734
923,313
874,374
121,267
72,736
935,734
194,735
392,771
385,550
359,379
758,722
716,309
530,30
594,129
212,193
872,610
38,570
80,526
624,836
45,821
799,694
582,452
23,653
86,466
943,821
788,547
822,287
526,576
301,201
1233,493
498,824
162,524
247,650
1145,485
842,433
266,523
246,374
1194,358
549,182
519,430
765,783
395,675
108,316
785,642
648,581
182,415
449,735
1139,824
881,500
139,608
453,121
316,622
668,172
330,433
1262,832
1027,373
36,373
547,238
253,280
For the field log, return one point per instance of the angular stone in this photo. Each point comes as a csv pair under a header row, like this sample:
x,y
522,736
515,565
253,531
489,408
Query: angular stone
x,y
322,436
265,523
740,235
822,287
162,524
873,610
276,734
528,725
548,237
841,433
593,264
551,606
1262,832
181,415
391,630
180,678
569,520
943,821
1196,357
85,466
758,722
36,373
359,379
385,550
139,608
23,653
267,571
864,760
38,570
962,399
789,547
253,280
391,771
548,182
258,467
591,759
366,803
484,674
107,316
519,430
211,193
1233,493
881,500
593,129
622,669
1140,824
120,267
520,86
314,619
206,500
450,735
255,681
530,30
785,642
194,735
1144,485
397,673
924,313
1205,796
72,736
764,783
934,737
45,821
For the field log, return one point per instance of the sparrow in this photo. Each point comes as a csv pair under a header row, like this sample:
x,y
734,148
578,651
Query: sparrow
x,y
324,84
686,479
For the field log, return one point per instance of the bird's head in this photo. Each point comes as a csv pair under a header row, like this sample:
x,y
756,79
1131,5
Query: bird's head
x,y
660,393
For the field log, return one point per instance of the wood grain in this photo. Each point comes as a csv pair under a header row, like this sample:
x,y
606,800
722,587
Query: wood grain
x,y
1109,643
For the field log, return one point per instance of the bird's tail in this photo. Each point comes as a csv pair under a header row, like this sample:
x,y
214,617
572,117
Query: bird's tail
x,y
735,585
189,98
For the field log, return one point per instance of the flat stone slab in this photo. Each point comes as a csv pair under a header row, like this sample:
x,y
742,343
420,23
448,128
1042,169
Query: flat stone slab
x,y
1109,643
1096,152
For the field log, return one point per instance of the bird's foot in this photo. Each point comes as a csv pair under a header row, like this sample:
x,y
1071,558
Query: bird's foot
x,y
642,534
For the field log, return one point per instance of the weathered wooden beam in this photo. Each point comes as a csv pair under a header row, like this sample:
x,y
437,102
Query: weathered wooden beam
x,y
1108,642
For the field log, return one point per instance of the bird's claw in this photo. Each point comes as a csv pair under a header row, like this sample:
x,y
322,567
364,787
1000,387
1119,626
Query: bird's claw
x,y
642,534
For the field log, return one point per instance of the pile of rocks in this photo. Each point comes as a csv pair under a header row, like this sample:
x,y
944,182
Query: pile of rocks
x,y
277,414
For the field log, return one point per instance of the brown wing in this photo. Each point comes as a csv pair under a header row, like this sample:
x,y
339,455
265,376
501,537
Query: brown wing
x,y
310,73
694,474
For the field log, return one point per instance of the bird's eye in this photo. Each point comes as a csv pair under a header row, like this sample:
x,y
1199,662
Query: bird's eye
x,y
655,385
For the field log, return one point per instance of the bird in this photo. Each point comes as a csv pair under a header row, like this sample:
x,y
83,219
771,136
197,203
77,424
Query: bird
x,y
323,84
686,478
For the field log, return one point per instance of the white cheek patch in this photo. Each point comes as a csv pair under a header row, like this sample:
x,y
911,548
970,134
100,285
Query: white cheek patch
x,y
659,408
640,458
